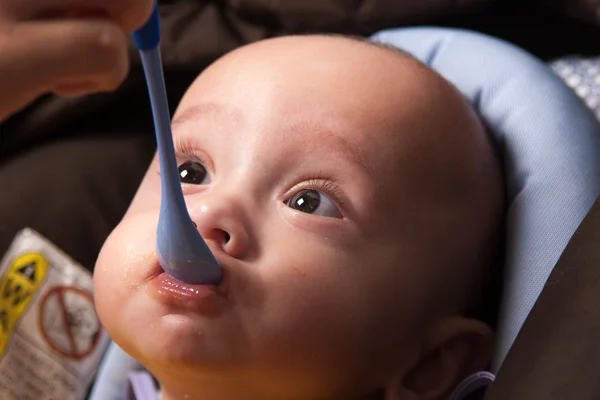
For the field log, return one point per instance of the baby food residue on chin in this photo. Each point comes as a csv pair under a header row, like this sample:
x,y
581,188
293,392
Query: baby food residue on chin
x,y
299,271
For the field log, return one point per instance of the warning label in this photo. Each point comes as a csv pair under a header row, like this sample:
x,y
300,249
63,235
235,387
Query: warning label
x,y
51,340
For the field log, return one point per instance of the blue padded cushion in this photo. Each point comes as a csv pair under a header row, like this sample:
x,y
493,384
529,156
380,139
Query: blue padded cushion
x,y
113,374
549,142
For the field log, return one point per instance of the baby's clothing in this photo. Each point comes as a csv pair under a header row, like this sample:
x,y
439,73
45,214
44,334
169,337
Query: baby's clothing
x,y
142,387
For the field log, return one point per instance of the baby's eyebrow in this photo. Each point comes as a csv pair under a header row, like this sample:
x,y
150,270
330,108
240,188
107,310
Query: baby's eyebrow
x,y
330,139
204,110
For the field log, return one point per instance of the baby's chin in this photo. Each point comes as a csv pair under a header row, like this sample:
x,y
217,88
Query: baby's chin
x,y
156,333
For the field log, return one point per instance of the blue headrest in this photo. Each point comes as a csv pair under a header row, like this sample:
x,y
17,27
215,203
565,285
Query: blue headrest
x,y
549,142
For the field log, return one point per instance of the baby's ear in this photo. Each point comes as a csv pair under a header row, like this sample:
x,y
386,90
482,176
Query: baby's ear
x,y
454,349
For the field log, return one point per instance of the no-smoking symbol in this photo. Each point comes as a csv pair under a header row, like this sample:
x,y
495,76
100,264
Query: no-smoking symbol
x,y
68,322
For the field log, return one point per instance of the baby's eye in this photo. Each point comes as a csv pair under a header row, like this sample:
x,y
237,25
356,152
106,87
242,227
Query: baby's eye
x,y
193,172
312,202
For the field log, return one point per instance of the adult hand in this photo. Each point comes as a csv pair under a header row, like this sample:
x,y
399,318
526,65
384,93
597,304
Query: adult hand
x,y
69,47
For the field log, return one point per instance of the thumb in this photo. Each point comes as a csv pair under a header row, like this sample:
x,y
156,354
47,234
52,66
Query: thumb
x,y
69,57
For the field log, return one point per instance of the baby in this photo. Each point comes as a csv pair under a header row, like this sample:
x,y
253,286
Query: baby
x,y
352,198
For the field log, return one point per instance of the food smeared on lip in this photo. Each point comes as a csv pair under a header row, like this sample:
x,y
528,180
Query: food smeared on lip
x,y
299,271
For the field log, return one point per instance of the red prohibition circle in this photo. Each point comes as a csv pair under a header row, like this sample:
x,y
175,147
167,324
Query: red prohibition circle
x,y
60,291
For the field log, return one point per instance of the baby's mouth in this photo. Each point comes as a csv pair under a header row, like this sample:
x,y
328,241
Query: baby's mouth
x,y
169,291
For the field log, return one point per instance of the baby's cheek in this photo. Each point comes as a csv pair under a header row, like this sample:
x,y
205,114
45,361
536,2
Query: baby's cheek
x,y
147,196
122,258
108,289
311,287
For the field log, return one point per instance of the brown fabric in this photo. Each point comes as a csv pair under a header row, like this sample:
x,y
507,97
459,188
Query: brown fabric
x,y
364,16
556,354
584,10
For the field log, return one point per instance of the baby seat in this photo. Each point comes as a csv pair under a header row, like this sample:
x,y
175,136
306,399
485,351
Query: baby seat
x,y
550,147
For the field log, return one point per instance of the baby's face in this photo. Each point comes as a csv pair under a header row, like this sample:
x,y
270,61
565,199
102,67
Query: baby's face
x,y
297,169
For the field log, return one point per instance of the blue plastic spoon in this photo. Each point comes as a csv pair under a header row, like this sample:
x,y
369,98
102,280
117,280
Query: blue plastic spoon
x,y
181,251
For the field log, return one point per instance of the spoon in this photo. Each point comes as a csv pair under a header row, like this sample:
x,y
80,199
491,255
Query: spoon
x,y
181,251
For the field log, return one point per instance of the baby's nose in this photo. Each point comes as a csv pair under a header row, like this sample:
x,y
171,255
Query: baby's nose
x,y
222,225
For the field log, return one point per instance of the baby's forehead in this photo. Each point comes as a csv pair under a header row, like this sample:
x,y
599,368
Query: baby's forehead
x,y
304,58
373,98
319,75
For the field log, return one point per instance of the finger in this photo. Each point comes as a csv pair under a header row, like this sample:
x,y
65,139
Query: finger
x,y
38,57
128,14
